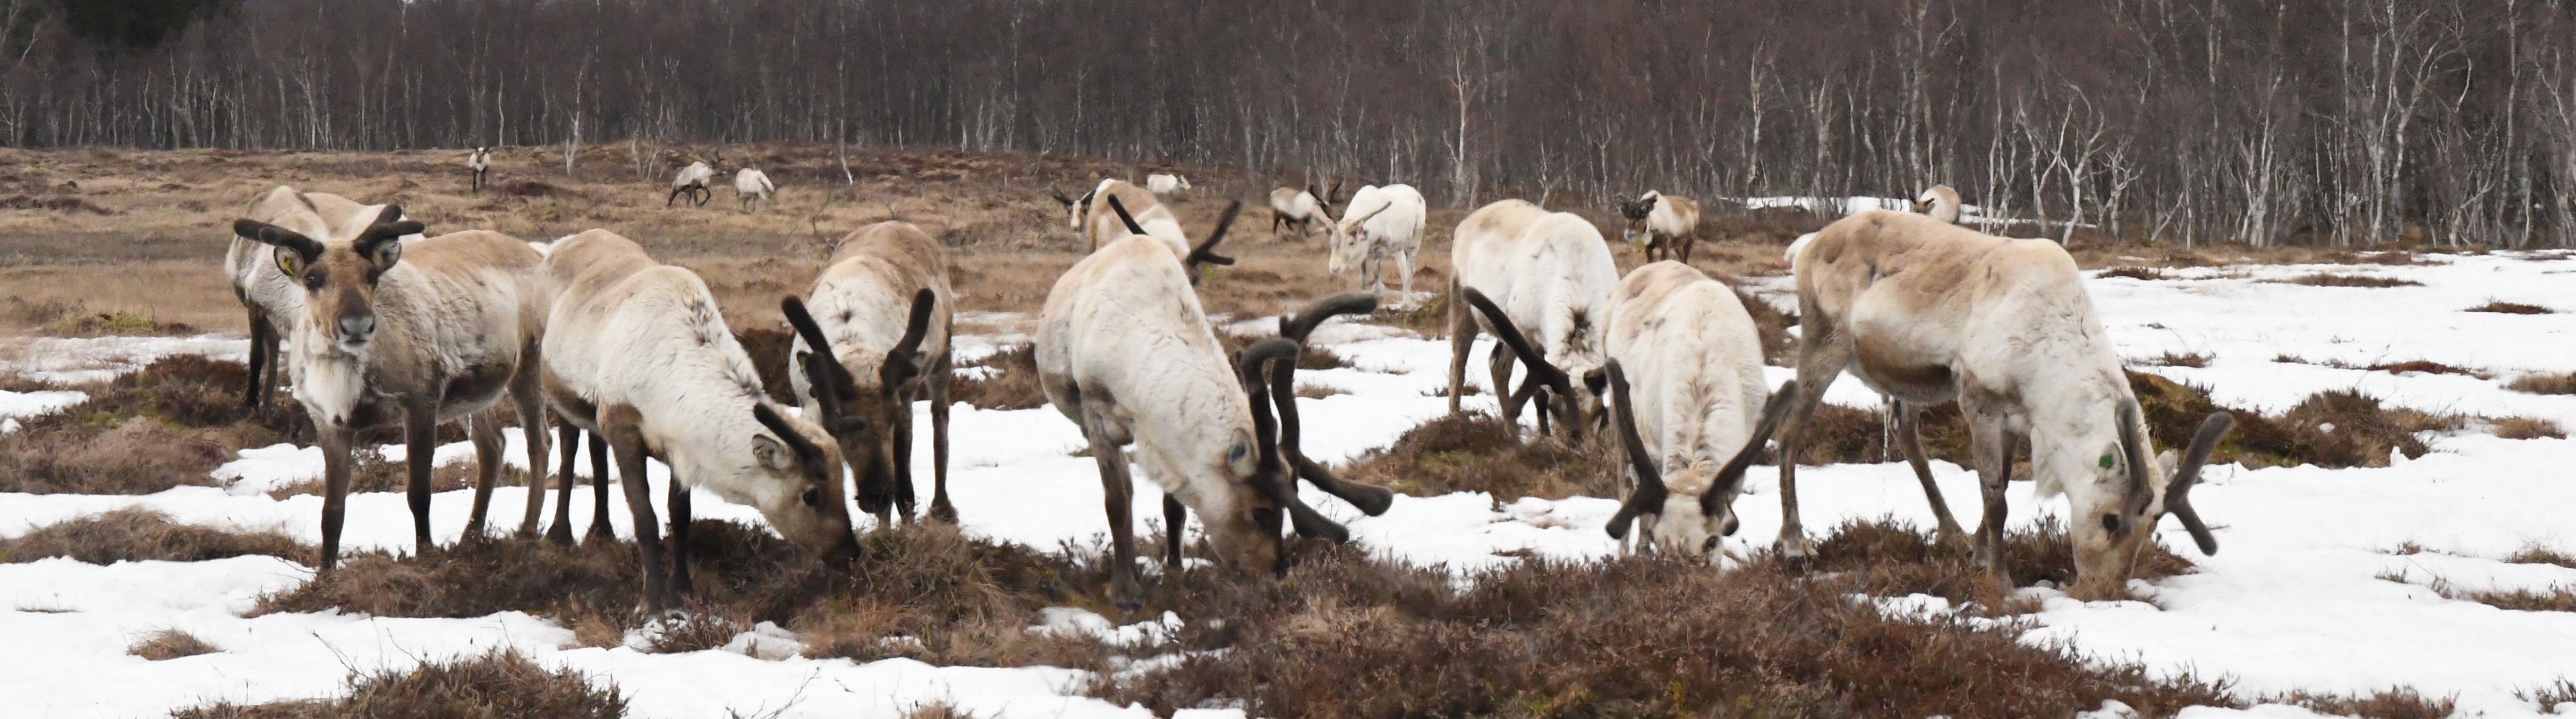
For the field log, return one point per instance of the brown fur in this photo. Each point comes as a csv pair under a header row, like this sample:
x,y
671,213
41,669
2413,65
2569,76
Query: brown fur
x,y
1100,225
900,260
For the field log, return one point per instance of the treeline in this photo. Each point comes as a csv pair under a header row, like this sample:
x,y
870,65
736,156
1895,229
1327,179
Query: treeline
x,y
2312,121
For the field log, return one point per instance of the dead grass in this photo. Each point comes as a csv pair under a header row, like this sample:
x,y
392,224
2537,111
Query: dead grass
x,y
497,684
2542,555
2549,697
2528,428
2185,359
2544,383
1318,391
369,471
2333,429
1883,558
2135,273
1475,451
134,535
168,644
2328,279
2559,598
1013,385
2422,366
164,426
2511,308
2396,703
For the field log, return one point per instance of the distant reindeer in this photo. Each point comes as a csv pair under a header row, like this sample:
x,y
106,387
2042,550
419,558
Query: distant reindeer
x,y
753,186
1301,209
480,163
692,182
1662,223
1165,184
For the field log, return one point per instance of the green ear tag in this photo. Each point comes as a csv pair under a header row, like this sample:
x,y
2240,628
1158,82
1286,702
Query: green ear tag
x,y
2106,461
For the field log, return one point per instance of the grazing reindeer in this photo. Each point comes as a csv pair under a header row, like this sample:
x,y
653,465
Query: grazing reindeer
x,y
1137,212
1193,259
1166,183
639,354
479,164
1299,209
1380,222
272,298
1125,351
421,333
753,188
1698,417
692,183
1928,312
1547,271
882,312
1661,222
1941,202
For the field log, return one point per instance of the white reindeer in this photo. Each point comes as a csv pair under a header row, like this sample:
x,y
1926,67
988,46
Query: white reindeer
x,y
638,353
1299,209
1380,222
1698,416
418,333
1660,222
881,311
1125,351
1536,269
1928,312
479,164
1941,202
1136,211
272,298
753,186
692,182
1166,183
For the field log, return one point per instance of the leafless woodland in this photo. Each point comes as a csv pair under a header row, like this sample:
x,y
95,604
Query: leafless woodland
x,y
2296,121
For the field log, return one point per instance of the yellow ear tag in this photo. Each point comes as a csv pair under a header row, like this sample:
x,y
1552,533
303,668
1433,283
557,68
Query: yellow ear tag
x,y
287,262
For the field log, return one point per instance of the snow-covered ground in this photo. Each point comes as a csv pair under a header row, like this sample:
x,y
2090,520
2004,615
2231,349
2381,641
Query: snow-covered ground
x,y
2295,601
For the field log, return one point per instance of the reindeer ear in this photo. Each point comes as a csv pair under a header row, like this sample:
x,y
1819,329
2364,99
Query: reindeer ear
x,y
388,253
289,261
772,453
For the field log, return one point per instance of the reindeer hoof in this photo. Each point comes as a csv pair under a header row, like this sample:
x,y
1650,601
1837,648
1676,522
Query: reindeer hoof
x,y
560,535
943,511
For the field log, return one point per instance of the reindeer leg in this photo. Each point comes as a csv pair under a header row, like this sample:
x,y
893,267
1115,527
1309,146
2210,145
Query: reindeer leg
x,y
901,435
1993,454
628,441
679,537
568,438
252,390
1118,497
1175,517
1462,337
599,524
940,373
485,429
268,383
531,406
1909,433
1499,364
1820,359
1404,262
420,440
335,489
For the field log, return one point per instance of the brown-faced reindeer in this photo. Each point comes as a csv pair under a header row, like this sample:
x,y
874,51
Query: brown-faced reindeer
x,y
1301,209
419,333
1517,265
478,164
1928,312
1696,360
882,311
693,182
1662,223
1117,208
273,299
1125,351
1941,203
639,354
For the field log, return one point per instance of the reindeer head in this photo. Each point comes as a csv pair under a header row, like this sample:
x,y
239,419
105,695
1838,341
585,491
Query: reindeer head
x,y
808,508
1690,523
1266,476
1075,208
1574,405
863,419
2113,515
339,276
1348,241
1200,256
1941,202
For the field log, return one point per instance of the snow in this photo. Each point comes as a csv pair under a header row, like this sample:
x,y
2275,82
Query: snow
x,y
2315,588
79,360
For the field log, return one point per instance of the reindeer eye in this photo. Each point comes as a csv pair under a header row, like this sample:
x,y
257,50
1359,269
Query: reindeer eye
x,y
813,496
1237,453
313,280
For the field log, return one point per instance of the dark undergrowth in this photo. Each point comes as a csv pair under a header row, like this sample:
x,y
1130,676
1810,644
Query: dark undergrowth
x,y
168,644
1882,558
2511,308
1011,384
2389,704
498,684
163,426
135,535
2544,383
2327,279
1475,451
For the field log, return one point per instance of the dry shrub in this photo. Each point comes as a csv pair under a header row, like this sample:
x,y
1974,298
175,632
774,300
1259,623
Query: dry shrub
x,y
1883,558
2397,703
2135,273
113,323
170,644
2528,428
1476,451
498,684
2328,279
2423,366
2333,429
2559,598
937,710
2511,308
1344,635
1839,435
2186,359
768,348
369,471
927,592
71,205
527,188
2550,696
163,426
1318,391
2542,555
135,535
475,578
2544,383
1012,384
1771,324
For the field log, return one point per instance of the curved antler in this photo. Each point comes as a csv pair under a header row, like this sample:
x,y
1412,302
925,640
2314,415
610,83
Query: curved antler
x,y
904,361
2186,474
1370,499
1648,497
1540,371
1730,478
1121,209
1255,370
268,234
829,382
1205,253
2133,448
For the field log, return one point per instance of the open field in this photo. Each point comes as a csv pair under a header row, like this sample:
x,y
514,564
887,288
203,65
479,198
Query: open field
x,y
2390,543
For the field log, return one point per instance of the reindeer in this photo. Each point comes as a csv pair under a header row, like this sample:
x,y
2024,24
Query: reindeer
x,y
1661,222
1142,213
1380,222
1928,312
753,186
1940,202
639,354
439,337
1699,417
1299,209
1166,183
692,183
479,164
1549,271
882,311
1125,351
272,298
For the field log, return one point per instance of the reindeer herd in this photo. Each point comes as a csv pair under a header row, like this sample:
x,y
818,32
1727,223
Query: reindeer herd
x,y
375,325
